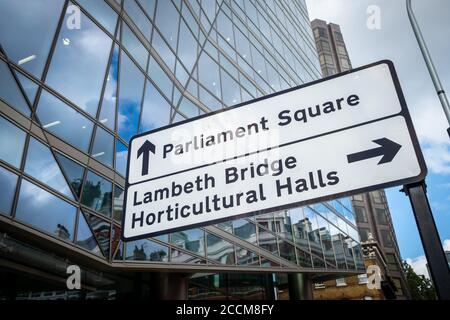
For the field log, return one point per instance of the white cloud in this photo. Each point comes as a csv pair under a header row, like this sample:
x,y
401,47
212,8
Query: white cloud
x,y
419,265
447,245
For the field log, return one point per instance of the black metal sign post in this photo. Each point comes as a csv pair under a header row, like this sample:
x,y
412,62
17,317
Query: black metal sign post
x,y
437,262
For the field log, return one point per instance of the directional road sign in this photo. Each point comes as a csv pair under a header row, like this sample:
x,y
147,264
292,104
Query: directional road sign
x,y
342,135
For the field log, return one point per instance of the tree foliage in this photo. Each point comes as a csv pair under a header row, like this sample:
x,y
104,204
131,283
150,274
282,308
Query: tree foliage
x,y
420,287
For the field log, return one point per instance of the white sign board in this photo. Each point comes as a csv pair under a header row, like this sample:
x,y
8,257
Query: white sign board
x,y
346,134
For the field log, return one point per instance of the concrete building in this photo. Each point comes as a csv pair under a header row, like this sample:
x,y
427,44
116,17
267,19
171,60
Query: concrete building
x,y
371,209
80,78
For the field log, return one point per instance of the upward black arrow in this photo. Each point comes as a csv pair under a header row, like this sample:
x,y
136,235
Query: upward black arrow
x,y
145,149
388,150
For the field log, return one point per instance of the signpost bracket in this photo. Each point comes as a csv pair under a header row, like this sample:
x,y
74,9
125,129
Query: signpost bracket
x,y
434,252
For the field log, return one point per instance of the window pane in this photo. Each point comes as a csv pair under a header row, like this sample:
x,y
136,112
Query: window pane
x,y
10,92
130,96
246,257
33,20
267,241
41,165
29,87
8,182
121,158
73,172
167,18
146,250
163,51
97,194
209,74
103,149
162,81
148,6
220,250
245,230
79,62
102,12
63,121
134,46
118,204
12,140
45,211
231,90
192,240
178,256
138,17
108,108
101,231
187,47
85,237
287,251
155,111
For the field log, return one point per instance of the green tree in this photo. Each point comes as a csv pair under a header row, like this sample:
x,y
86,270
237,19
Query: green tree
x,y
420,287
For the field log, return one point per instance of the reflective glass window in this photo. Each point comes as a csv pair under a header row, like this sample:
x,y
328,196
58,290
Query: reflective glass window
x,y
85,237
209,74
138,17
313,232
130,96
178,256
8,182
121,158
225,27
230,89
220,250
245,230
155,110
72,171
267,241
192,240
103,149
163,82
12,141
108,106
102,12
118,203
303,258
64,121
163,51
167,18
325,236
10,92
188,108
97,194
45,211
209,100
101,230
146,250
33,20
245,257
28,86
41,165
78,65
148,6
287,251
187,47
134,46
336,238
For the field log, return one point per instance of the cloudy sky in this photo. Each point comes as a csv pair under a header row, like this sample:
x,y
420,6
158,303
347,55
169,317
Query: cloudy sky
x,y
395,41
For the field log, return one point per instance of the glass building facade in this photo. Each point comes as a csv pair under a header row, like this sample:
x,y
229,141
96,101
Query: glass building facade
x,y
79,78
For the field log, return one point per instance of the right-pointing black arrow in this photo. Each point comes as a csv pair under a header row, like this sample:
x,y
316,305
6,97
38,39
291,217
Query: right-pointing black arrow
x,y
387,149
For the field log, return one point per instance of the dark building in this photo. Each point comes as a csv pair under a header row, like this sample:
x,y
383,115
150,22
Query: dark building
x,y
371,209
78,79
